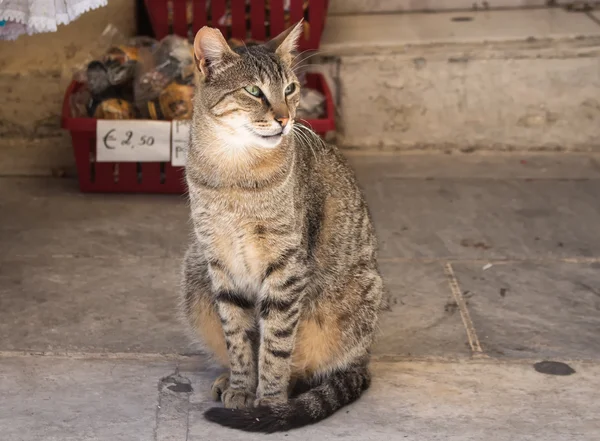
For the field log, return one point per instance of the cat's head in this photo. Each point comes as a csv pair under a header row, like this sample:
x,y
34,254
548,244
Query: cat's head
x,y
249,93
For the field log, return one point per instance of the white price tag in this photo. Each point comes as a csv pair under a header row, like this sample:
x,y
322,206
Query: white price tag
x,y
133,141
181,139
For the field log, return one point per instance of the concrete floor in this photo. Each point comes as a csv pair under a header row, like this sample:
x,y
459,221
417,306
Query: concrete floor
x,y
491,263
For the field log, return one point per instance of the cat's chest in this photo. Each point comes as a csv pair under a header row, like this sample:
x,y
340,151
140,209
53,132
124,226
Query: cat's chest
x,y
238,246
245,233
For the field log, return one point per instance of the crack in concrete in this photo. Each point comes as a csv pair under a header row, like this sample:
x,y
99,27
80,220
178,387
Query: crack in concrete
x,y
464,311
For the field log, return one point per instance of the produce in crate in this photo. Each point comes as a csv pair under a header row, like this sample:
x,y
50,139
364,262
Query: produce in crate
x,y
116,69
108,82
164,84
171,61
173,102
113,108
146,79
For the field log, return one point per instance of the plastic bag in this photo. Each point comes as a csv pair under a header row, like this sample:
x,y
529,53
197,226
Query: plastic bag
x,y
105,87
164,82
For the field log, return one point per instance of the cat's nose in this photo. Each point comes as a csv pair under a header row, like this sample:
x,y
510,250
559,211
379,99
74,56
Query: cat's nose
x,y
283,120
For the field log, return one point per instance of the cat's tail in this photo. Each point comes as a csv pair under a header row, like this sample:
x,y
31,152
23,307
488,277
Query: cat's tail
x,y
336,391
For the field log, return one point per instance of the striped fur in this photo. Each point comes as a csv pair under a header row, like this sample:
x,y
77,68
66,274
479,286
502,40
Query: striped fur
x,y
280,280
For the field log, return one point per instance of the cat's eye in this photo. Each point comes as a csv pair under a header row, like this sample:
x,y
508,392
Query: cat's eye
x,y
254,91
290,89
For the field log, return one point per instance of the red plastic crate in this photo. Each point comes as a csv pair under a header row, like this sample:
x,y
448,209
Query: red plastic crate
x,y
149,177
174,16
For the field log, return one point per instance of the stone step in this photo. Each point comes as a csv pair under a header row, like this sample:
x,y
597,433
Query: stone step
x,y
339,7
500,80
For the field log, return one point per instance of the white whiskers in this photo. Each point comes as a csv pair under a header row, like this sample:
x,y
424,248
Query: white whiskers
x,y
306,136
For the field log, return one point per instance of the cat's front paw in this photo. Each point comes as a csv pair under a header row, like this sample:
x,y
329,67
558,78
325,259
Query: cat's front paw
x,y
237,399
220,385
269,401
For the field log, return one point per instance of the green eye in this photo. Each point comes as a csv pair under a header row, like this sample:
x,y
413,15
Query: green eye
x,y
290,89
254,90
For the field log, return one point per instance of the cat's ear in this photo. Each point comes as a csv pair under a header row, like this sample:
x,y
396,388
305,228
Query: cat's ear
x,y
286,42
211,49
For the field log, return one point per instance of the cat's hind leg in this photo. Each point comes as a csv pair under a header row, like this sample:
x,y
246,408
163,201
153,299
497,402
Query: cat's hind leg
x,y
224,322
199,309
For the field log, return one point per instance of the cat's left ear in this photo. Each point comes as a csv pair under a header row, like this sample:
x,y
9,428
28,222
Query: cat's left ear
x,y
286,42
211,50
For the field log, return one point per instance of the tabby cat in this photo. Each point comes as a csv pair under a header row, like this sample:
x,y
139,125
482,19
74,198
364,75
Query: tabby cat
x,y
280,281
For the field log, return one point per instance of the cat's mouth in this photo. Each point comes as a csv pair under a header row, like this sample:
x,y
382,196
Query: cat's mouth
x,y
268,140
271,137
